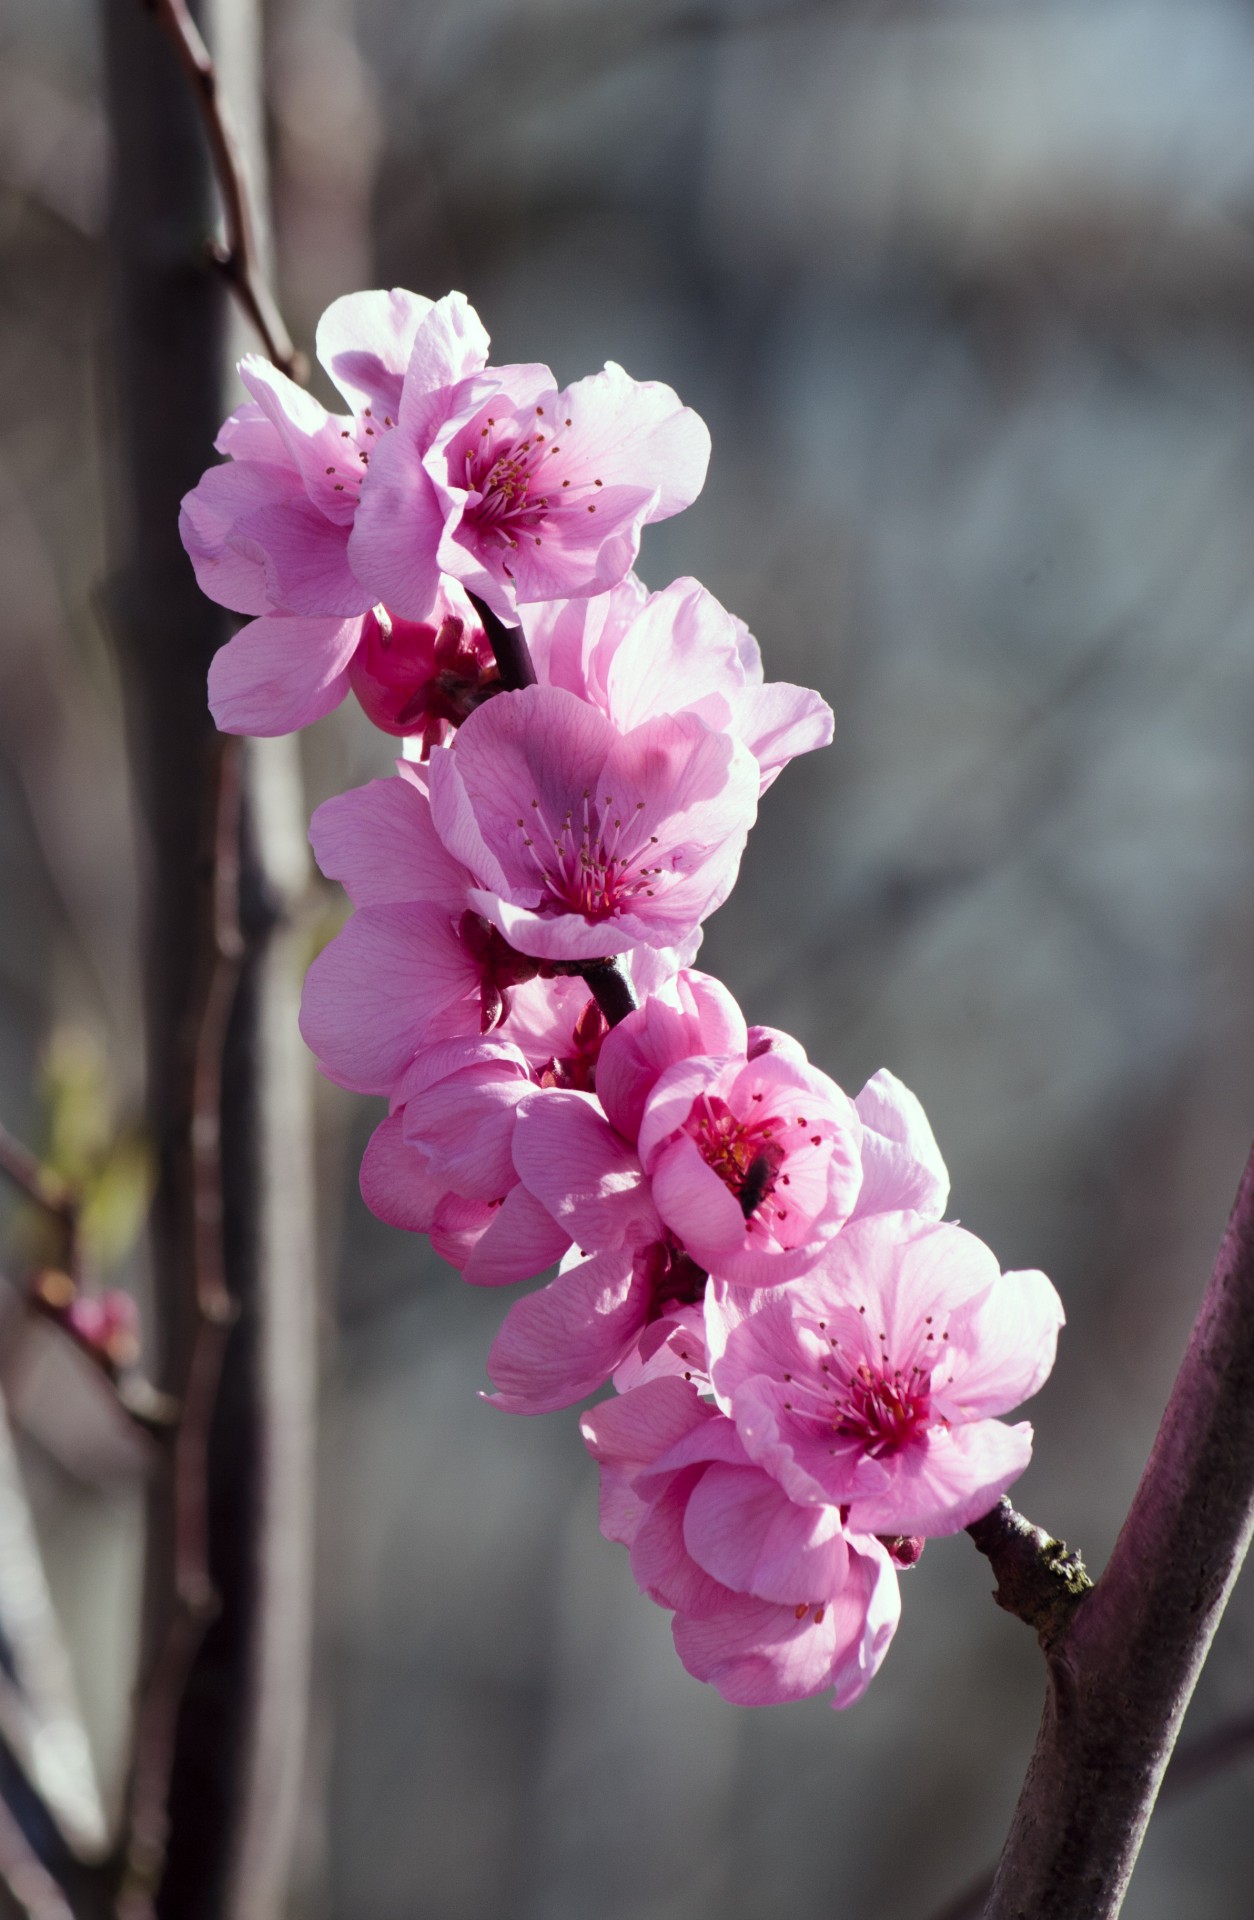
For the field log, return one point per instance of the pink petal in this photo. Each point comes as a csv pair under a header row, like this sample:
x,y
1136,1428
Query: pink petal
x,y
681,649
634,1429
214,527
539,745
694,1202
943,1482
902,1167
395,1184
455,822
1003,1344
450,345
638,433
464,1124
397,529
373,993
569,1156
379,841
364,341
756,1654
660,1561
307,566
280,673
637,1052
778,721
563,1342
521,1241
745,1531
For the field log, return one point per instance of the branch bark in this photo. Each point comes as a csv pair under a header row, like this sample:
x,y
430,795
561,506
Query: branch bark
x,y
1123,1666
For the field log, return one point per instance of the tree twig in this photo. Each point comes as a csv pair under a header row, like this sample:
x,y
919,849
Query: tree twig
x,y
1040,1580
1123,1667
47,1191
236,255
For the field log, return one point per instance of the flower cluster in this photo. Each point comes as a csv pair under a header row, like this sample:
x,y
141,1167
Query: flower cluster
x,y
809,1363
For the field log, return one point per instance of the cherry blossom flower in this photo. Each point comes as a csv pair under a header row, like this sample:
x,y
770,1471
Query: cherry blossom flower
x,y
586,842
635,655
873,1382
418,963
627,1304
753,1164
268,532
772,1600
521,492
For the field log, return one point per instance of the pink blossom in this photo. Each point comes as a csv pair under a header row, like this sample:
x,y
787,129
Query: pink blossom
x,y
268,532
418,963
521,492
441,1163
585,842
873,1382
107,1322
421,678
635,655
772,1600
753,1164
627,1307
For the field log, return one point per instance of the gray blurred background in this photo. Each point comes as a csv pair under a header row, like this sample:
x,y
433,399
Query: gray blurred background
x,y
966,294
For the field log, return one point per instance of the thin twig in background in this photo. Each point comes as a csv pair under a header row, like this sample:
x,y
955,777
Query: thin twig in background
x,y
237,254
47,1191
195,1601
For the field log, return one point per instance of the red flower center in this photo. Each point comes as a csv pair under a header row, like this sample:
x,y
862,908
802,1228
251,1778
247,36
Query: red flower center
x,y
884,1410
745,1154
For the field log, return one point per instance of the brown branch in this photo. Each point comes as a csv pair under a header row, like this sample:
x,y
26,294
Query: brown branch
x,y
1040,1580
1191,1766
1123,1666
236,255
195,1601
47,1191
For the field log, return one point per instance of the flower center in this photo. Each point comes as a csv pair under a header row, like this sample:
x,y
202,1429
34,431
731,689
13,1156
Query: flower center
x,y
745,1154
884,1410
512,485
592,863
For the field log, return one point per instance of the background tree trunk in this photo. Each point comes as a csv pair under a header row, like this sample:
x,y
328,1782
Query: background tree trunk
x,y
224,1671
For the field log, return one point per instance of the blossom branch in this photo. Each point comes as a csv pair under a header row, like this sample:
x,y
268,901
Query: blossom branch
x,y
1123,1668
1192,1765
1040,1580
509,648
236,255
